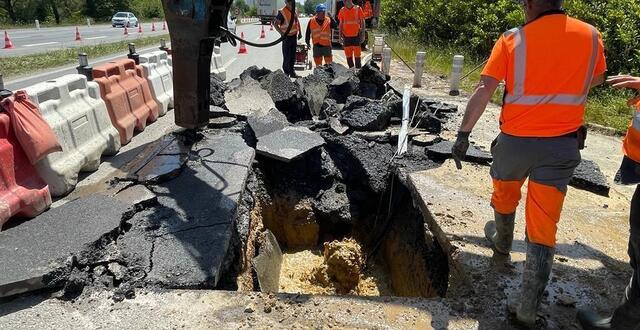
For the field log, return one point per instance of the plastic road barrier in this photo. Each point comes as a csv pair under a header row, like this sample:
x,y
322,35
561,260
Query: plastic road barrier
x,y
127,96
156,69
79,118
22,192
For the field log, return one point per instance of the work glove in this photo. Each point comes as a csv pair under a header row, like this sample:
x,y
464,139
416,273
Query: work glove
x,y
459,149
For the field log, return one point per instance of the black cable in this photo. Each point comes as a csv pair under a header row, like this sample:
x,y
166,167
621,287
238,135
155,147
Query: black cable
x,y
270,44
402,59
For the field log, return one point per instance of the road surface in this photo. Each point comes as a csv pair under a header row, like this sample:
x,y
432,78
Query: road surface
x,y
234,63
32,41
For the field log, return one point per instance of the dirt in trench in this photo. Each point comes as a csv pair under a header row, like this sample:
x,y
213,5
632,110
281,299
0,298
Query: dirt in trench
x,y
337,269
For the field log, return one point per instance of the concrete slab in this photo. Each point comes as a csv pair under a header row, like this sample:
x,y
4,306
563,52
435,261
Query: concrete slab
x,y
268,263
248,98
264,123
37,248
289,143
442,150
363,114
197,210
166,164
589,177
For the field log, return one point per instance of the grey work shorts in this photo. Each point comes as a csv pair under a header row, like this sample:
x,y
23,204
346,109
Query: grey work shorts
x,y
321,50
548,161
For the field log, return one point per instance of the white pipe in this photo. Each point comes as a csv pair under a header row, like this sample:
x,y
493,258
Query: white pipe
x,y
417,77
456,73
403,137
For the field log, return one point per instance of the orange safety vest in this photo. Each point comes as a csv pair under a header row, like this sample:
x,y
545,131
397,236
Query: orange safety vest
x,y
350,19
631,143
368,10
321,34
286,13
551,64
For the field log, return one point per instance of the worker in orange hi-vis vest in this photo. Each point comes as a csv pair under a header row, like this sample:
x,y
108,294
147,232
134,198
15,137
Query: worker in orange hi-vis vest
x,y
285,18
548,65
319,29
627,314
367,9
352,32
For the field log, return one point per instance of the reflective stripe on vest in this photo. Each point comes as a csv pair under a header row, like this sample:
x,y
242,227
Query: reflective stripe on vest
x,y
518,97
287,21
321,34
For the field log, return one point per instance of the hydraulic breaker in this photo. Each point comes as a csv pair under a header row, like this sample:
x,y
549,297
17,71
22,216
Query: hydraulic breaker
x,y
193,27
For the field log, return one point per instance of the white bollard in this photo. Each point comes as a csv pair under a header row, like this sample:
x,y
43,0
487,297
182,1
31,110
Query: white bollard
x,y
88,22
456,73
417,77
378,45
37,25
386,60
1,82
403,136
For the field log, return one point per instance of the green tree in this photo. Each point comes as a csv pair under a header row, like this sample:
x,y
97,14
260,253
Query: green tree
x,y
310,6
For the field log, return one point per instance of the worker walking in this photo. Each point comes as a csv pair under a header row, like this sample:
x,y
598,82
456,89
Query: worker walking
x,y
627,315
352,30
548,65
286,17
319,29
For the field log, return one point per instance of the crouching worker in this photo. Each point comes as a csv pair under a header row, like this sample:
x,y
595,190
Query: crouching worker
x,y
319,31
547,81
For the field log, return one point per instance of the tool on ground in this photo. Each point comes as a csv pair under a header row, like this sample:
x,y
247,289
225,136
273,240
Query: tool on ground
x,y
7,41
302,58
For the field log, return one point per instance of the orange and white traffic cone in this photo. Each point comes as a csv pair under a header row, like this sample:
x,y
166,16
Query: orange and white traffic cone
x,y
78,38
153,27
270,27
7,41
164,26
243,47
140,28
262,34
126,31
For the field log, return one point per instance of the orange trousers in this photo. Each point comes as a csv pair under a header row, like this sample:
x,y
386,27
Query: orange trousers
x,y
548,163
318,60
353,51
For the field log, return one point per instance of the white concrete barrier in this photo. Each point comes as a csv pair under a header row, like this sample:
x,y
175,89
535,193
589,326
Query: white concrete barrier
x,y
79,118
156,69
217,65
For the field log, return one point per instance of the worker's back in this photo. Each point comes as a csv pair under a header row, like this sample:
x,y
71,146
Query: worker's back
x,y
548,66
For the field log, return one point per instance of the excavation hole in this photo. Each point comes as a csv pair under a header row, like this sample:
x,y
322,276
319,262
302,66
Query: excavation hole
x,y
371,253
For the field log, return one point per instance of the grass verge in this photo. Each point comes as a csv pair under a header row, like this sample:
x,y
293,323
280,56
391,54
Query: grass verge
x,y
20,65
605,106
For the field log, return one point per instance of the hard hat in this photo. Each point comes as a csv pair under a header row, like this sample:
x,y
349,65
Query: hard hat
x,y
321,8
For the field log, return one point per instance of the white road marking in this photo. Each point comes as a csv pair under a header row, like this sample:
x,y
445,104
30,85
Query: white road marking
x,y
226,65
93,38
42,44
21,37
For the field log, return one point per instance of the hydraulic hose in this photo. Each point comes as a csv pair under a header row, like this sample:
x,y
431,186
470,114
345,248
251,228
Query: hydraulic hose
x,y
265,45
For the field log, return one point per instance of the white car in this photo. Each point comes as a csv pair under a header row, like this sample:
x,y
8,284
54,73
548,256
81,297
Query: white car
x,y
124,19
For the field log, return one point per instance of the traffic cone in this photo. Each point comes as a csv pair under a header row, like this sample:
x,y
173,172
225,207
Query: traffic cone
x,y
7,41
153,27
140,28
270,27
78,38
126,31
243,47
262,35
164,26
